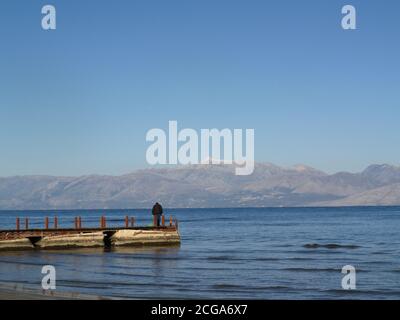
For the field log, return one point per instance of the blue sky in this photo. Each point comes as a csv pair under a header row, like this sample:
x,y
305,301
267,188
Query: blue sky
x,y
80,99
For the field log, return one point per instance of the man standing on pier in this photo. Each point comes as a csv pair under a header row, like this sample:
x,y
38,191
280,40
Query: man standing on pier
x,y
157,212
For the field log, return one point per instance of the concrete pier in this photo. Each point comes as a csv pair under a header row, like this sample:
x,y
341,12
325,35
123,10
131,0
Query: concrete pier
x,y
89,239
145,237
78,237
23,244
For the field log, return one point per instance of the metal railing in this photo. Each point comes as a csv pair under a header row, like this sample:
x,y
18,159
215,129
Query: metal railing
x,y
53,223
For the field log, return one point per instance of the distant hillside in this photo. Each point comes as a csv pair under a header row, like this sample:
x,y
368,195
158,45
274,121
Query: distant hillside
x,y
205,186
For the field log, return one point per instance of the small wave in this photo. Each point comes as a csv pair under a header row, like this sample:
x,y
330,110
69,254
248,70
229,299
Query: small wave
x,y
312,269
230,258
330,246
112,284
300,259
299,269
222,286
219,258
264,259
373,292
22,263
227,286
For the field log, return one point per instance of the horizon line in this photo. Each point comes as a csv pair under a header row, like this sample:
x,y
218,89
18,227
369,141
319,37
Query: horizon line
x,y
206,208
185,166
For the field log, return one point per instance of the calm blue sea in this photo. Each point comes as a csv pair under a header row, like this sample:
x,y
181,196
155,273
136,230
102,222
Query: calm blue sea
x,y
270,253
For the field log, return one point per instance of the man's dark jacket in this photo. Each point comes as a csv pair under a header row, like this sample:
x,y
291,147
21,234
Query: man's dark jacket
x,y
157,209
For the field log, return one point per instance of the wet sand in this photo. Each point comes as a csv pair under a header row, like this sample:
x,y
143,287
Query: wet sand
x,y
17,295
22,294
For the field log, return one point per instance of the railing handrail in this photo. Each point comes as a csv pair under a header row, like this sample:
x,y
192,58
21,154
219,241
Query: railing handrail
x,y
55,222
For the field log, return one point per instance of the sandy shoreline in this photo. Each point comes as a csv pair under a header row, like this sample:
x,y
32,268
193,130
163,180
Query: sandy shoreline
x,y
9,292
18,295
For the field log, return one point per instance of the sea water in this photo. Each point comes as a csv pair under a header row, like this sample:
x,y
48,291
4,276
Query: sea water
x,y
246,253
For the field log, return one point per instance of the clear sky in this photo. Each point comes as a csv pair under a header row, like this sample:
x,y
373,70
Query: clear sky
x,y
80,99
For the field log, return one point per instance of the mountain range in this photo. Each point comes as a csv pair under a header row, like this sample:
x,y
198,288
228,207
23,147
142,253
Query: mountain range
x,y
205,186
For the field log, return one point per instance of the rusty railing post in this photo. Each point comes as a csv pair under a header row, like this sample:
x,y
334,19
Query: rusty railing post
x,y
79,222
163,220
76,222
55,223
126,222
46,223
105,222
17,223
170,221
26,223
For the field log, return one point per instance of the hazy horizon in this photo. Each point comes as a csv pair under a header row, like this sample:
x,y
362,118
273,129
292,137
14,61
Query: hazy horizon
x,y
179,166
